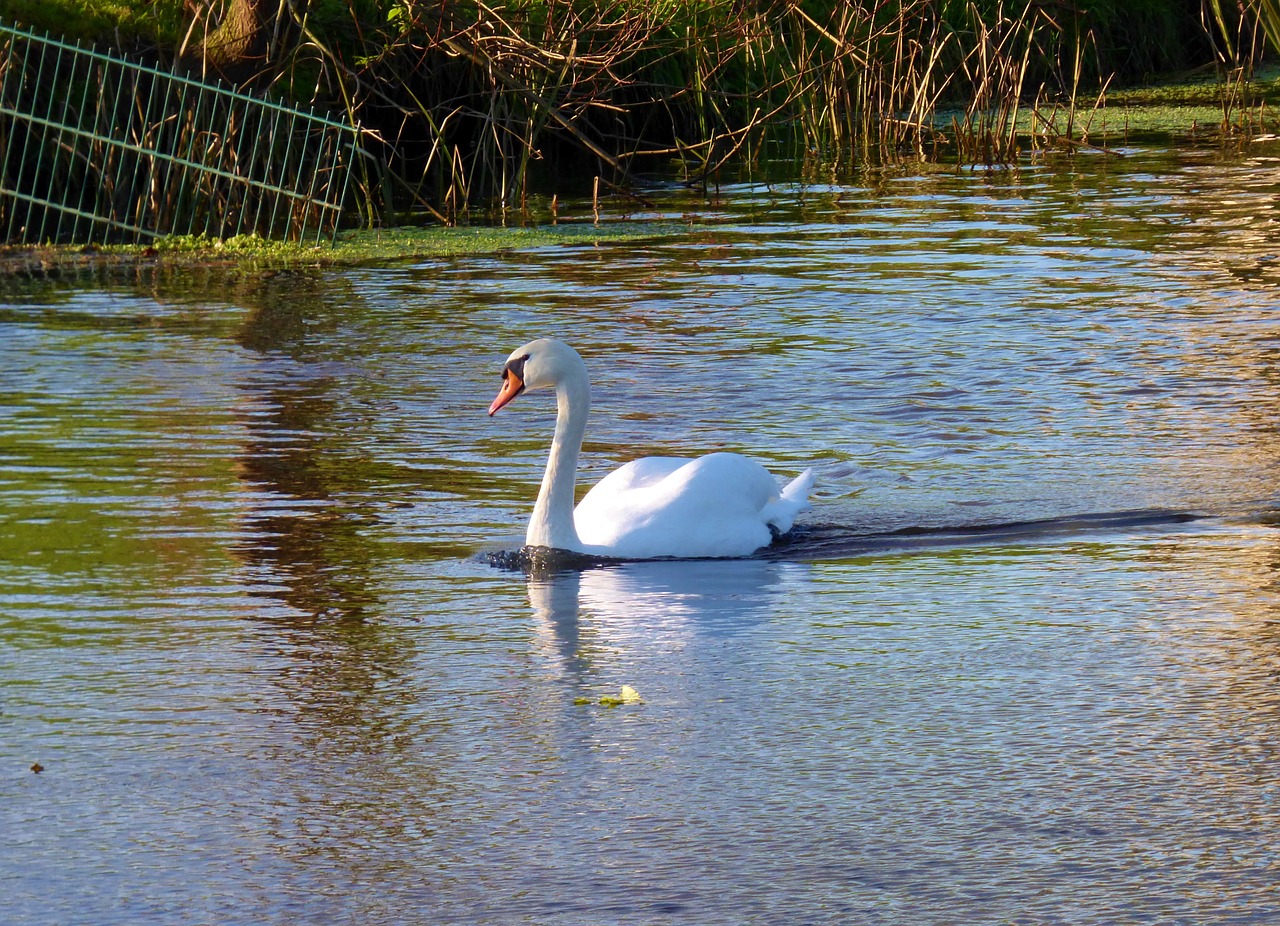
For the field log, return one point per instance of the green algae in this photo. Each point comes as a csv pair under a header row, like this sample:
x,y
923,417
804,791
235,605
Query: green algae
x,y
350,248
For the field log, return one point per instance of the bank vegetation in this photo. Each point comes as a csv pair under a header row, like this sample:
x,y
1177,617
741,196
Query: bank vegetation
x,y
472,105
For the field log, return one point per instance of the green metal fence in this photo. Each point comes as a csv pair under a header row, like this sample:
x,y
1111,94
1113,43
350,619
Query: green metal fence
x,y
98,148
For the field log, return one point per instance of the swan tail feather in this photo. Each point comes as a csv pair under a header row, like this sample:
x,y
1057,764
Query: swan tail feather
x,y
797,490
781,513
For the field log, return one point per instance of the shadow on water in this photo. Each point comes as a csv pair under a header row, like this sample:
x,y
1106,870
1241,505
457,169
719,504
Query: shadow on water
x,y
815,542
809,542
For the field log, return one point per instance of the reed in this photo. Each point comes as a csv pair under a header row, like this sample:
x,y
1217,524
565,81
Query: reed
x,y
477,101
1243,29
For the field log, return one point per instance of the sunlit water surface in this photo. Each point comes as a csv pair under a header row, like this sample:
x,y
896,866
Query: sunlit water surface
x,y
1019,664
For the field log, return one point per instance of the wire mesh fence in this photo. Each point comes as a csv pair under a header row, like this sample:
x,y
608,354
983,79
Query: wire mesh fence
x,y
99,148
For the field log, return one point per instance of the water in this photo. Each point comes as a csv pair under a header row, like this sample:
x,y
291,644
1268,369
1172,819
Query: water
x,y
1019,664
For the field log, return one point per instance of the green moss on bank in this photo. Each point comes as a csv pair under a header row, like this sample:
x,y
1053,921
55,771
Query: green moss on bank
x,y
351,248
1202,88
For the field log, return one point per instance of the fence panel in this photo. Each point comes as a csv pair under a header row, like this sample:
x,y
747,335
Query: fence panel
x,y
98,148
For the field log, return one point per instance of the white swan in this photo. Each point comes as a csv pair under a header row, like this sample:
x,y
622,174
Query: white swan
x,y
720,505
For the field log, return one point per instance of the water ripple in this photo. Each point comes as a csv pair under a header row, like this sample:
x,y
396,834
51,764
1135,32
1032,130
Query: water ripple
x,y
1018,664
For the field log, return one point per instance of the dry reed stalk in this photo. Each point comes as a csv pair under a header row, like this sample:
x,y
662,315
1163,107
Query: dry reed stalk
x,y
472,99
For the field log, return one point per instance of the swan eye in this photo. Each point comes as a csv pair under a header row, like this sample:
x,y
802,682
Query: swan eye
x,y
515,366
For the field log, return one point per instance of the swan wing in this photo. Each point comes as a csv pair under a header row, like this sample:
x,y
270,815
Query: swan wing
x,y
638,474
723,504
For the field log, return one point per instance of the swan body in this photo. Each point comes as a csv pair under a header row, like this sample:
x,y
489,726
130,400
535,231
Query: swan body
x,y
719,505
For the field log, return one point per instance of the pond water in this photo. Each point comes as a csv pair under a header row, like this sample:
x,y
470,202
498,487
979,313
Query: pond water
x,y
1019,664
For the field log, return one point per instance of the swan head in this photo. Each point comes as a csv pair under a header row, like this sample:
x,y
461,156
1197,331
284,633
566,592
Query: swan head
x,y
540,364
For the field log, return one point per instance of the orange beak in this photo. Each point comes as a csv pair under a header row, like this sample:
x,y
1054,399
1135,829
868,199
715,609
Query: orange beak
x,y
512,386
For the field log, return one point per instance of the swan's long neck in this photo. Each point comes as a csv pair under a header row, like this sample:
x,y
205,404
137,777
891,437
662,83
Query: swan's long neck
x,y
552,522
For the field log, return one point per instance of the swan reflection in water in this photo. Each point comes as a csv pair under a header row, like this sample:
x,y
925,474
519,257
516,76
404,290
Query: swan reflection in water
x,y
663,603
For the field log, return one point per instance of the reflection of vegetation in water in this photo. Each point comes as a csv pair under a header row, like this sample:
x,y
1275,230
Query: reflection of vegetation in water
x,y
310,510
135,412
87,462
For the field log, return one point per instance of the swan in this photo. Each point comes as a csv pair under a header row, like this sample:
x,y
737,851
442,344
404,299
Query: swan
x,y
719,505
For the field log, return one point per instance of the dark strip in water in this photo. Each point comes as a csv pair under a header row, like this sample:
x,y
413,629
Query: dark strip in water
x,y
819,541
811,542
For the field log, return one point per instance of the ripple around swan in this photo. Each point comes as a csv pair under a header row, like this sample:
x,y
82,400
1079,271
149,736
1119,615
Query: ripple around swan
x,y
1018,663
